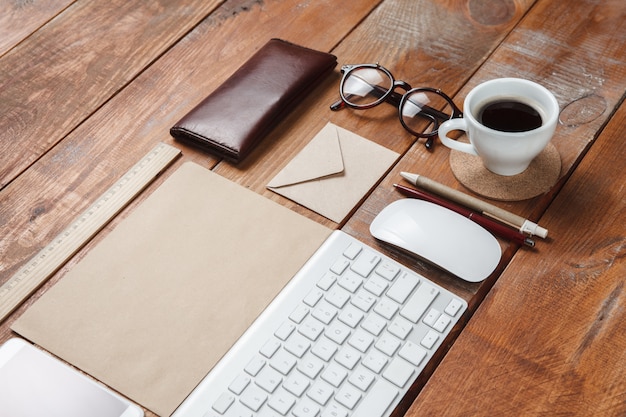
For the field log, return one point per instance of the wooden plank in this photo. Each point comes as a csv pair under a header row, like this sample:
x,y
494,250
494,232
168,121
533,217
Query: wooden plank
x,y
19,19
551,337
62,73
41,202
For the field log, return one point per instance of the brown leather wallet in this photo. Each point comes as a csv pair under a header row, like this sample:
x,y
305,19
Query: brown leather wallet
x,y
241,111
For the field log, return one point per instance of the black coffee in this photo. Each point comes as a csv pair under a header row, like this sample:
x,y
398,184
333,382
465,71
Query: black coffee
x,y
509,116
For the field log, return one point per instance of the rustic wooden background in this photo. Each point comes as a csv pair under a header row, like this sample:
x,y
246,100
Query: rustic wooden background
x,y
89,87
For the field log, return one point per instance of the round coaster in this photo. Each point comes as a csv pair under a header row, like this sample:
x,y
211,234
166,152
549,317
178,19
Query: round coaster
x,y
542,173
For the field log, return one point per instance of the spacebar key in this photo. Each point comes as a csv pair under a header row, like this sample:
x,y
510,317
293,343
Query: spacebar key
x,y
377,401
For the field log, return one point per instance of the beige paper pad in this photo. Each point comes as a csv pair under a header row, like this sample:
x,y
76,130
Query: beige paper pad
x,y
333,172
154,306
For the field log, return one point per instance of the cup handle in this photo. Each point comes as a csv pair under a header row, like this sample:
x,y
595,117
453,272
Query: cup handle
x,y
455,124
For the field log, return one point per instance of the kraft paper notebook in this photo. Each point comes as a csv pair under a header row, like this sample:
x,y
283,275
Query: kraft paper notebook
x,y
161,298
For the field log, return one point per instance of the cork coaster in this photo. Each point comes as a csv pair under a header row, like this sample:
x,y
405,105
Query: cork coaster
x,y
542,173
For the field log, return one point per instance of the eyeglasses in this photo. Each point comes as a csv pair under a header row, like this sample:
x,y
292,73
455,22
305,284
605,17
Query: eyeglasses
x,y
421,110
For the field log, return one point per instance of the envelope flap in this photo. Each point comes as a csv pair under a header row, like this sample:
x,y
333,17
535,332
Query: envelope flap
x,y
320,158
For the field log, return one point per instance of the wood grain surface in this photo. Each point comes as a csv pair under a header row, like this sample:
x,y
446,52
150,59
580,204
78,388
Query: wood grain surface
x,y
89,87
61,74
19,19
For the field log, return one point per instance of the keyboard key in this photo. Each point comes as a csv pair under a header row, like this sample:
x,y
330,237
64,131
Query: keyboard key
x,y
223,402
326,281
281,401
365,263
412,353
239,384
285,330
337,296
339,266
236,410
386,308
297,384
269,348
361,340
378,400
375,361
348,396
265,412
430,339
442,323
352,251
321,392
431,317
335,410
387,270
297,345
364,300
306,408
400,327
311,328
374,324
403,287
324,312
253,398
334,374
299,314
361,378
453,307
351,316
419,302
376,285
268,379
348,357
350,281
388,344
255,365
324,349
283,362
337,332
313,297
398,372
310,366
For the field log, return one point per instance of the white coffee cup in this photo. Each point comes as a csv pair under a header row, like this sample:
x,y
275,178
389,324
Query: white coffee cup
x,y
504,152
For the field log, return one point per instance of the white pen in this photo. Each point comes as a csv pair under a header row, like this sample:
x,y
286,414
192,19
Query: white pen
x,y
524,225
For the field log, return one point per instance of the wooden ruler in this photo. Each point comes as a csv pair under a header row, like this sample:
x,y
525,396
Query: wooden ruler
x,y
45,263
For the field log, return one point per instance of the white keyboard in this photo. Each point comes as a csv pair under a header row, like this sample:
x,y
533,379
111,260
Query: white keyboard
x,y
347,336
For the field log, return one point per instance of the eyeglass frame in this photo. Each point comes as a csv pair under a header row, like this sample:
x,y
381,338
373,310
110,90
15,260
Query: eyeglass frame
x,y
394,98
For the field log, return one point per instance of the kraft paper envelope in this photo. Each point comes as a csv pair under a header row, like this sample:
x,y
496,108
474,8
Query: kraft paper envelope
x,y
333,172
152,307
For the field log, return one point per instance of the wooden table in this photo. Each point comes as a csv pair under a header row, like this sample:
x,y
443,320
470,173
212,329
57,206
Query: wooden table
x,y
88,88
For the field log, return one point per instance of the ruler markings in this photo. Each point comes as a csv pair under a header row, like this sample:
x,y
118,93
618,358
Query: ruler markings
x,y
49,259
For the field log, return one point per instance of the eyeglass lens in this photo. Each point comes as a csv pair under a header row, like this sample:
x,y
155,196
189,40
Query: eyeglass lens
x,y
366,87
421,109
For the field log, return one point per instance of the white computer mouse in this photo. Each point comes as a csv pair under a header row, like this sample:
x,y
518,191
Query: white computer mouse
x,y
440,236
